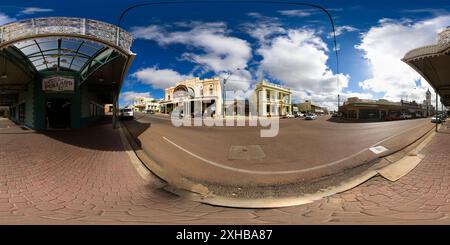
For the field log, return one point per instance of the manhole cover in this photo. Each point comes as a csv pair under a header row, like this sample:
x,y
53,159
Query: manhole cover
x,y
246,152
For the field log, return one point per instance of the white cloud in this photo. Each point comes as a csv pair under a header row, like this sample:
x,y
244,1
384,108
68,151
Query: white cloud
x,y
4,19
219,51
298,60
128,96
34,10
386,44
264,28
159,78
341,30
296,12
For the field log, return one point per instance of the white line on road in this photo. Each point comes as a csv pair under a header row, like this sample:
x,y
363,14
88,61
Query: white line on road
x,y
286,171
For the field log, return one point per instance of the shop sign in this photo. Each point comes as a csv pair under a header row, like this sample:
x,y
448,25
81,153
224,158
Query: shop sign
x,y
58,84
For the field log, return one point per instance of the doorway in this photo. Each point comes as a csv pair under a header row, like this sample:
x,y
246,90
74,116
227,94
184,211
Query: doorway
x,y
57,113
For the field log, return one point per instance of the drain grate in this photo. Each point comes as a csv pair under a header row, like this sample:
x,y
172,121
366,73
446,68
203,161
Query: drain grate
x,y
246,152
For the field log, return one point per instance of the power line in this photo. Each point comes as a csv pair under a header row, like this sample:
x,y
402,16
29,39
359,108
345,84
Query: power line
x,y
124,12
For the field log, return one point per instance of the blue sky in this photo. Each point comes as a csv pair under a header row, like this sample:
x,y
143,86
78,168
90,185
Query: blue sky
x,y
281,43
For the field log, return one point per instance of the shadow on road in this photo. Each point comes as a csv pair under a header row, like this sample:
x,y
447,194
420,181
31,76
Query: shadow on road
x,y
342,120
136,127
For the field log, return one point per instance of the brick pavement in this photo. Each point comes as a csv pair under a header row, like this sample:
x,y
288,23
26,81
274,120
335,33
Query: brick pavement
x,y
86,177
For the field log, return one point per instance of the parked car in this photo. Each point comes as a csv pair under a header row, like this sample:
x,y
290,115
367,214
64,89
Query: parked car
x,y
298,114
391,117
311,117
150,111
405,116
436,119
334,115
126,113
289,115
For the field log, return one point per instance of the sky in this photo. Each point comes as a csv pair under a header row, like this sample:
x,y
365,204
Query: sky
x,y
285,44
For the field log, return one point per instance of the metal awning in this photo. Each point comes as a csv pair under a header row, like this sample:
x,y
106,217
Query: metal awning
x,y
433,63
97,51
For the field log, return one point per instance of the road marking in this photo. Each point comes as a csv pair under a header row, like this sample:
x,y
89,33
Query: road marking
x,y
285,171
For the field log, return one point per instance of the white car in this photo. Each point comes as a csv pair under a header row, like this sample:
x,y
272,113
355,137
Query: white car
x,y
289,116
126,113
436,119
405,116
311,117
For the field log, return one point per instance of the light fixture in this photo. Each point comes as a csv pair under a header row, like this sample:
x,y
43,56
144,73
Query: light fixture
x,y
4,76
101,79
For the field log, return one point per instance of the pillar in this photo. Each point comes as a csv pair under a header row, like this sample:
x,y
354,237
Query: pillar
x,y
435,113
357,114
114,118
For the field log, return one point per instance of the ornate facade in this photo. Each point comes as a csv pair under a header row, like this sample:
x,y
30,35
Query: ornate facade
x,y
194,96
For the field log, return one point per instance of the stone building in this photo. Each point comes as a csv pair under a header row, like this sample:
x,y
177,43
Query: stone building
x,y
270,99
194,96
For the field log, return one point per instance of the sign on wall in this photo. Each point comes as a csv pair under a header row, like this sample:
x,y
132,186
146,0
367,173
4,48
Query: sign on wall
x,y
58,84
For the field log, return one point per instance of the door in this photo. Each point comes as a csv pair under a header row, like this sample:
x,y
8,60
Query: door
x,y
58,113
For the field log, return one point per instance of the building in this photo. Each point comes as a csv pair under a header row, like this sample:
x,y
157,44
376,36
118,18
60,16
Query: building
x,y
272,99
59,72
355,108
427,106
194,94
309,107
142,104
109,108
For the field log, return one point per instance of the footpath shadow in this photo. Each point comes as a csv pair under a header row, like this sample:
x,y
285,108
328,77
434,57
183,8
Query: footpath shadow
x,y
99,135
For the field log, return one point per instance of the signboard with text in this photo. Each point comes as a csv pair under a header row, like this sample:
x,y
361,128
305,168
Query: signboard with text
x,y
58,84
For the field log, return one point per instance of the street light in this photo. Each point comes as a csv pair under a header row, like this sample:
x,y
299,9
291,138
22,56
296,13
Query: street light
x,y
223,90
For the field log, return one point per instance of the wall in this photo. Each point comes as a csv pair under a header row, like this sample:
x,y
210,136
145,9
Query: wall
x,y
91,108
27,98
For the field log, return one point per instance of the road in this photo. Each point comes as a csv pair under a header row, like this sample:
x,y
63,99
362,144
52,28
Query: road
x,y
87,177
238,155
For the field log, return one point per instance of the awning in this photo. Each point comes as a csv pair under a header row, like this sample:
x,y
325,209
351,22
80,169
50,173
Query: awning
x,y
433,64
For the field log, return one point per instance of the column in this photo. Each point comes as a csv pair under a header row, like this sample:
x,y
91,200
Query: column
x,y
357,114
114,119
262,99
435,113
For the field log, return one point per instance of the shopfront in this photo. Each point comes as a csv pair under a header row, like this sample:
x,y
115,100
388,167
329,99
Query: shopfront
x,y
64,79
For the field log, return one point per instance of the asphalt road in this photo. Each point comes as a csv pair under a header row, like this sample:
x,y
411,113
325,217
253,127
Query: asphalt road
x,y
238,154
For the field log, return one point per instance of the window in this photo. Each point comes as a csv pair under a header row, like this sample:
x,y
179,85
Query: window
x,y
211,90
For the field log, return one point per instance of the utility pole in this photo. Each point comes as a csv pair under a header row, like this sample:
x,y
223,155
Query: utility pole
x,y
223,92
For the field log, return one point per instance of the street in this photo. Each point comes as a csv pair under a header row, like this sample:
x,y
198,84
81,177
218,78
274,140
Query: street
x,y
303,150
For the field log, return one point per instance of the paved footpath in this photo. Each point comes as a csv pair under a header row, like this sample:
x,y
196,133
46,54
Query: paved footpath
x,y
86,177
